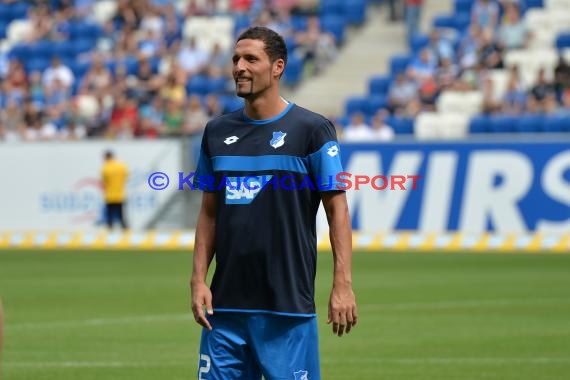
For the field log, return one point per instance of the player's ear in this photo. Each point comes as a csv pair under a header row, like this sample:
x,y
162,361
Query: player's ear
x,y
278,68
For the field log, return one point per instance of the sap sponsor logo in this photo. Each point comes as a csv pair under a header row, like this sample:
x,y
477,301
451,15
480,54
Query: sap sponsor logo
x,y
471,188
243,190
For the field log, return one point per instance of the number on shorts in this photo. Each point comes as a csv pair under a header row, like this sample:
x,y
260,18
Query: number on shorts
x,y
204,368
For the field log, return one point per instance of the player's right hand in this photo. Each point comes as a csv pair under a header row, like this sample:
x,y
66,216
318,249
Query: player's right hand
x,y
201,296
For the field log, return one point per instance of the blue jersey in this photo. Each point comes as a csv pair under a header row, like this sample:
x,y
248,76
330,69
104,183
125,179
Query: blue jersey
x,y
268,176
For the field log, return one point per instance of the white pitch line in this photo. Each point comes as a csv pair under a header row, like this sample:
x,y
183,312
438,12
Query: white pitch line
x,y
415,361
102,321
374,307
466,304
98,364
403,361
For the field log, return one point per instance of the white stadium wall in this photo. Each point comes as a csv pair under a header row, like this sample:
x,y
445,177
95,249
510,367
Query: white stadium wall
x,y
56,186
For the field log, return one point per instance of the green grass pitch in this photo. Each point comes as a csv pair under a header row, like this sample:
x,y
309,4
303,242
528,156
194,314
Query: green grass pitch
x,y
125,315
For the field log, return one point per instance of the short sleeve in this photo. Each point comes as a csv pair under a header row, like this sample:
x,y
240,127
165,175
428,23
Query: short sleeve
x,y
325,160
204,176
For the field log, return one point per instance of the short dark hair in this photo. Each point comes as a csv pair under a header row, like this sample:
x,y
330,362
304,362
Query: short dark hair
x,y
275,46
109,154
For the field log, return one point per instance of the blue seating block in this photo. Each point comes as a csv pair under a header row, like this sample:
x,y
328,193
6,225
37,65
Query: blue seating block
x,y
379,85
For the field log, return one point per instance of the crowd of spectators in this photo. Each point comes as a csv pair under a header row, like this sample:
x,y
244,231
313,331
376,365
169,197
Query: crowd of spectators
x,y
455,61
137,72
463,63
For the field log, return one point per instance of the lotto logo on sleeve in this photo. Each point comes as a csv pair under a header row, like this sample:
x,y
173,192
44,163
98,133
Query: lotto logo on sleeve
x,y
243,190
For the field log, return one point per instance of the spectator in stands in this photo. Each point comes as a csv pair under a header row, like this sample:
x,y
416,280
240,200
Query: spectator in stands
x,y
469,47
145,84
395,10
542,88
423,67
550,104
218,61
57,97
58,70
513,32
514,99
413,13
491,102
357,130
213,107
561,76
485,14
440,47
564,110
98,79
195,118
490,53
11,122
446,74
152,117
124,118
173,119
73,132
173,89
380,130
316,45
36,89
150,44
401,92
428,92
41,22
17,76
192,58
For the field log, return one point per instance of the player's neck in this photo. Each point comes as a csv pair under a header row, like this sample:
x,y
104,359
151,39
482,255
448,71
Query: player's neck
x,y
264,108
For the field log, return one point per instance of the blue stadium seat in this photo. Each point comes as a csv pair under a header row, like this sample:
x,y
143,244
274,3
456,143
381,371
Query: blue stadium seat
x,y
299,22
399,63
529,123
401,125
231,103
534,3
556,123
479,124
19,10
502,124
82,30
463,6
444,21
63,49
355,11
417,42
334,24
83,45
563,41
197,85
217,85
375,103
293,71
356,104
331,7
39,64
3,27
379,85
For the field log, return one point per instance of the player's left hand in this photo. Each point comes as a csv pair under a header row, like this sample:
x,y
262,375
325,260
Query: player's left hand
x,y
343,313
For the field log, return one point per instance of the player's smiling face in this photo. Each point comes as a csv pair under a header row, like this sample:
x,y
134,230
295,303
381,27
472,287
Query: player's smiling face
x,y
252,68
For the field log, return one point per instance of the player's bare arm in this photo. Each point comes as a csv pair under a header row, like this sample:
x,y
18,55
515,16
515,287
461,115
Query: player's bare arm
x,y
203,255
343,312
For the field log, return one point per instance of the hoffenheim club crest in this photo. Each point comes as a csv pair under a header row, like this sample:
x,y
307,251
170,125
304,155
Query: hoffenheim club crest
x,y
301,375
278,139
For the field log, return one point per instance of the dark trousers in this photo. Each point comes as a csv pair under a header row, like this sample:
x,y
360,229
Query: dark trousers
x,y
115,210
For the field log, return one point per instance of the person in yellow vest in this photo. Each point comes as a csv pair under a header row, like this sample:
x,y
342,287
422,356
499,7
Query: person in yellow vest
x,y
114,177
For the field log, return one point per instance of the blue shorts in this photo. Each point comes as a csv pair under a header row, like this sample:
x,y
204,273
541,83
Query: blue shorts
x,y
245,346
